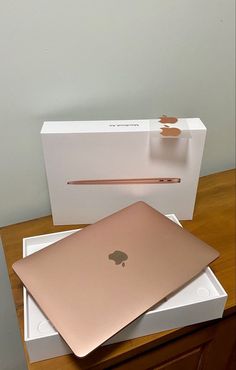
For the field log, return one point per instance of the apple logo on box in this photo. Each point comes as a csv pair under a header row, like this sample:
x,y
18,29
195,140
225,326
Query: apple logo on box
x,y
170,131
165,119
167,130
118,257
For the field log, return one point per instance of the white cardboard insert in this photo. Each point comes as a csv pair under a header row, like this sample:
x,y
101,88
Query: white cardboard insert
x,y
129,149
201,300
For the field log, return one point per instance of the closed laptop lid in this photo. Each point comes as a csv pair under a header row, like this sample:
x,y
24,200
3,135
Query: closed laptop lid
x,y
96,281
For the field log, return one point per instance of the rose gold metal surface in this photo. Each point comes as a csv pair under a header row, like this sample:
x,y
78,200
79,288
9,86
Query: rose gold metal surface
x,y
95,282
161,180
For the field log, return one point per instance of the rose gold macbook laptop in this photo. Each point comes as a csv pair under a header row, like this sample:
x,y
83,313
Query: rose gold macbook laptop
x,y
95,282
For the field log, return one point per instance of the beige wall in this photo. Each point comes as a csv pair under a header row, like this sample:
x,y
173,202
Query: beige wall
x,y
116,59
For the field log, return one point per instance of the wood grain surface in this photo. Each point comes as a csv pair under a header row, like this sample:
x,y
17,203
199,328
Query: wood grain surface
x,y
213,222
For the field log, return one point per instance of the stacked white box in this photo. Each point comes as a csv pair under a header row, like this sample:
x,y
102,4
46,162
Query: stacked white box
x,y
95,150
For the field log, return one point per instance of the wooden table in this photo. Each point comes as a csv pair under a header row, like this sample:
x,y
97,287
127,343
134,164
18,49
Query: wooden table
x,y
207,345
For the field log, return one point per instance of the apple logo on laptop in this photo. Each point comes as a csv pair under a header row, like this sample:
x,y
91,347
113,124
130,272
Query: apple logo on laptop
x,y
118,257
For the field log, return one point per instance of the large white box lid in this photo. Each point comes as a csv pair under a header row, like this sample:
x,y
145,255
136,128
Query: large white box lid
x,y
129,149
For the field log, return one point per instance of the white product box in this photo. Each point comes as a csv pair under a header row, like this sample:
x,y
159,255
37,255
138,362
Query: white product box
x,y
116,150
201,300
